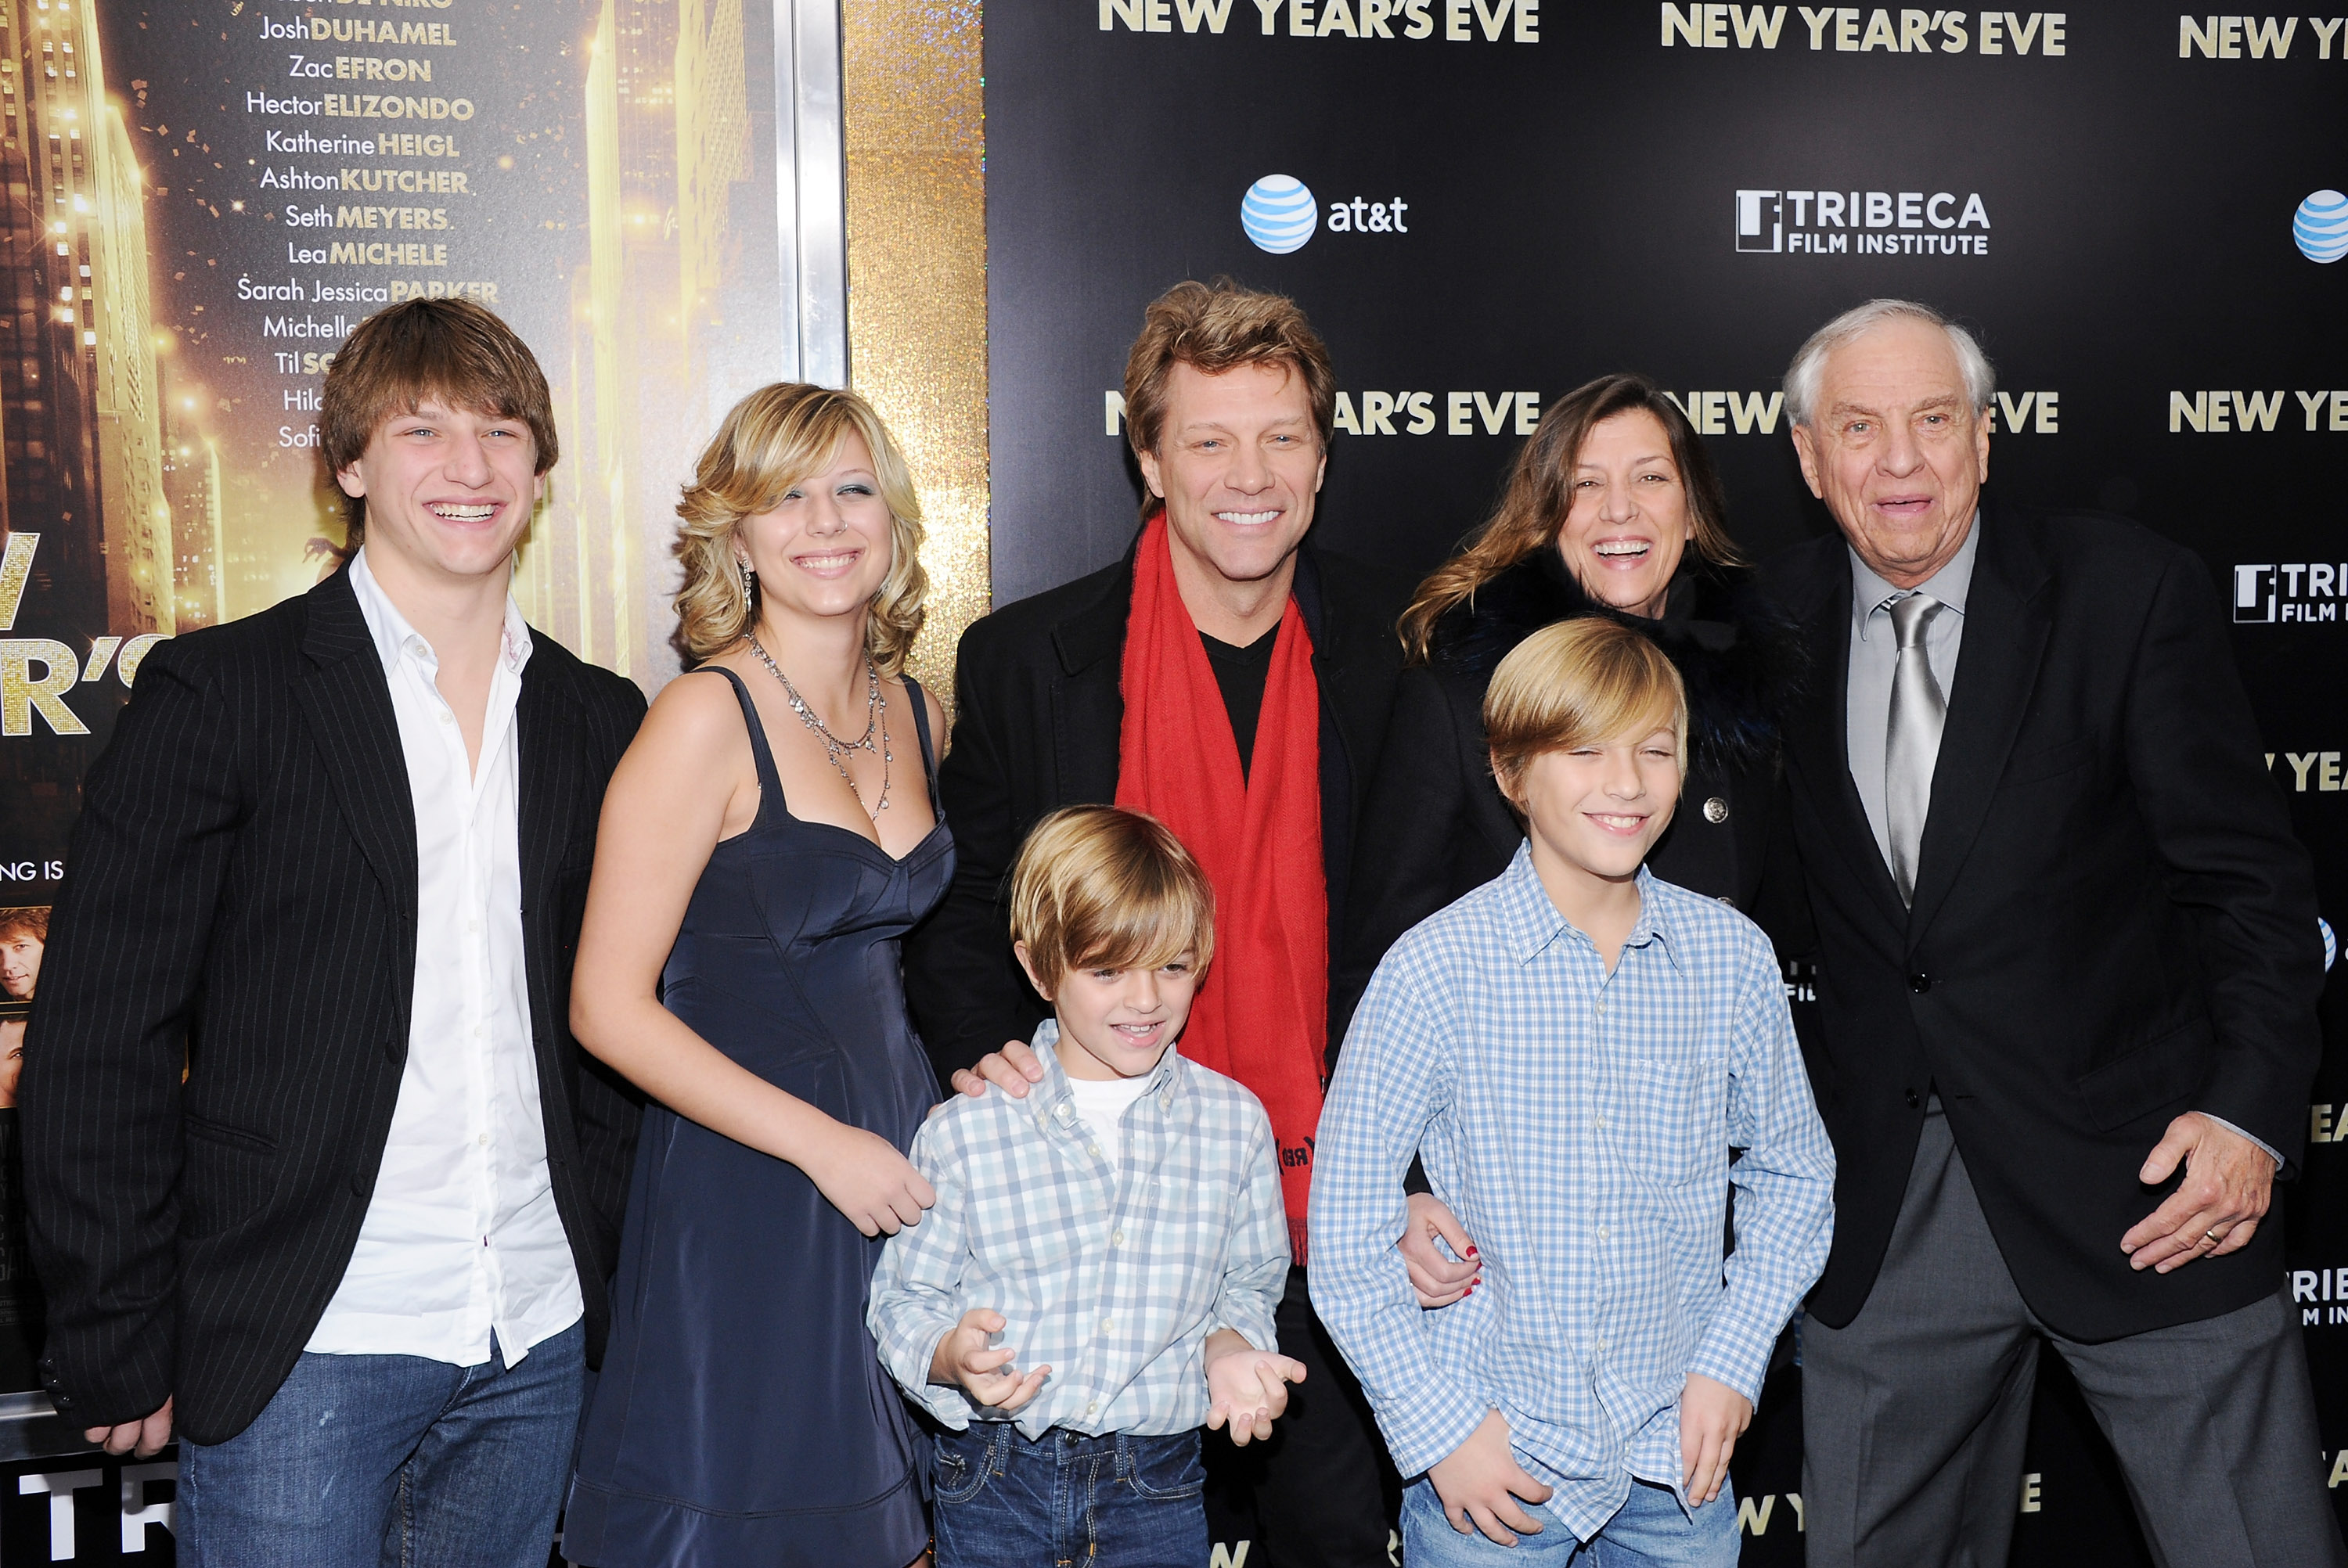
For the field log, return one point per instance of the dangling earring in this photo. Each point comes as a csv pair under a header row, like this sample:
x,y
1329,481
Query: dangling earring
x,y
749,581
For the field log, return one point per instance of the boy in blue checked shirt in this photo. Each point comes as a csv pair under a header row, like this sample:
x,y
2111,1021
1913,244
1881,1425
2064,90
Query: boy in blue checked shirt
x,y
1121,1230
1574,1049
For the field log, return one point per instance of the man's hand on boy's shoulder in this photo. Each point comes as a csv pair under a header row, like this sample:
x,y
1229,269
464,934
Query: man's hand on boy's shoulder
x,y
987,1376
1481,1482
1713,1415
1015,1070
1247,1388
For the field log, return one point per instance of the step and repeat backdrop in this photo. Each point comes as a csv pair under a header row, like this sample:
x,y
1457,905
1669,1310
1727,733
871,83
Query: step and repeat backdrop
x,y
1483,203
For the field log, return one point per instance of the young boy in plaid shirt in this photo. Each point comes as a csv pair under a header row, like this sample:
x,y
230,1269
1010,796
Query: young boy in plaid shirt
x,y
1098,1276
1574,1049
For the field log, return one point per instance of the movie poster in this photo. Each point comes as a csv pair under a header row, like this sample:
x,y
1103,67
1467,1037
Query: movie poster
x,y
205,197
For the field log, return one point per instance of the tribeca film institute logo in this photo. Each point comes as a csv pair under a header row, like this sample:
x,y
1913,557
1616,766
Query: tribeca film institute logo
x,y
2266,592
1861,222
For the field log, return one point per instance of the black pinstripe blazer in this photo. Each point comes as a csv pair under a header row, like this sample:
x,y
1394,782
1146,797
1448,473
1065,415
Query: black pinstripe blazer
x,y
240,898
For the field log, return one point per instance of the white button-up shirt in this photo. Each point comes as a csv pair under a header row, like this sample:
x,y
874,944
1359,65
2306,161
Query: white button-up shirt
x,y
462,1236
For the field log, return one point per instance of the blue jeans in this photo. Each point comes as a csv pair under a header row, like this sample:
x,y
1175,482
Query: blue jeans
x,y
1109,1502
1648,1531
391,1461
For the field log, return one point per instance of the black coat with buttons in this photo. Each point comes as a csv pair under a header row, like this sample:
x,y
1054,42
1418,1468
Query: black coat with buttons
x,y
1435,826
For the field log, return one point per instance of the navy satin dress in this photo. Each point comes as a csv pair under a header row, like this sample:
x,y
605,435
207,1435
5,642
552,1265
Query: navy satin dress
x,y
742,1418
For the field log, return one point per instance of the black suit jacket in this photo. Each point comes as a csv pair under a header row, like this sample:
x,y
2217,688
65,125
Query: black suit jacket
x,y
240,898
2113,924
1037,714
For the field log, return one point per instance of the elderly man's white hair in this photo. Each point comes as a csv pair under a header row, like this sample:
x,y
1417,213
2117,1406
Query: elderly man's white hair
x,y
1810,359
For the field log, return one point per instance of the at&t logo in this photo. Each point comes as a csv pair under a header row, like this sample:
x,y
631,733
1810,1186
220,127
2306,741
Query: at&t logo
x,y
2320,227
1279,215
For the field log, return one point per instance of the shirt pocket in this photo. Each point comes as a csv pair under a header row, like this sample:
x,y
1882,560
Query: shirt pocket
x,y
1677,1108
1033,1234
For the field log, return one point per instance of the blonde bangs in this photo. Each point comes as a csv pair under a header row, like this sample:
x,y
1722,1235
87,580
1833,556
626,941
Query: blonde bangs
x,y
1576,683
777,437
1100,887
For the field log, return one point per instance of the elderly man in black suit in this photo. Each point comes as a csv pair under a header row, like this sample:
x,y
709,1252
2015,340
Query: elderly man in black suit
x,y
2068,966
317,1177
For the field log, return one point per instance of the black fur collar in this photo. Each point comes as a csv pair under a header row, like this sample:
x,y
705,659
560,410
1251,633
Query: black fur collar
x,y
1741,660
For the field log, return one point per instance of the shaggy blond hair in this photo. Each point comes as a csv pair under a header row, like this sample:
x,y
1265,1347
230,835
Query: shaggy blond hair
x,y
1101,887
778,436
1575,682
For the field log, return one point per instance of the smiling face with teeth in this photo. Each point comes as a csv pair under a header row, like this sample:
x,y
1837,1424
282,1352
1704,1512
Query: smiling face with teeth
x,y
1116,1023
825,548
1627,520
1593,811
1238,464
449,492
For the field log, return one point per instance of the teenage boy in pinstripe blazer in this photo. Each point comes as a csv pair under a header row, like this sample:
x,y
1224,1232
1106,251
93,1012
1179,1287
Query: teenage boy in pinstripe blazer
x,y
330,870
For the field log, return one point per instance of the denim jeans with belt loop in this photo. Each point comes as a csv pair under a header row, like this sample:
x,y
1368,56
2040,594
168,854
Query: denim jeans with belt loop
x,y
1114,1500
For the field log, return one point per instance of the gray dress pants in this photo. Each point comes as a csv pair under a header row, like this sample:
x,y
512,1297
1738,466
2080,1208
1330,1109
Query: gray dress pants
x,y
1914,1414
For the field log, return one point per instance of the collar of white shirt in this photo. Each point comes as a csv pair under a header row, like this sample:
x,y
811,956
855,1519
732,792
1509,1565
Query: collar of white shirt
x,y
393,635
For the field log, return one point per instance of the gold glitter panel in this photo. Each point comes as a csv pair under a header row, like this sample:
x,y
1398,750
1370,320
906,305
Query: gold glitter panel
x,y
915,126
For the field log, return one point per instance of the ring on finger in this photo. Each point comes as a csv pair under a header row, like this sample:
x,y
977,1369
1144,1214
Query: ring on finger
x,y
2211,1237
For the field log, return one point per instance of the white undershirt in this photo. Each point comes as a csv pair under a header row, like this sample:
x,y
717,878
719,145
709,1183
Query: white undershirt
x,y
462,1236
1102,1105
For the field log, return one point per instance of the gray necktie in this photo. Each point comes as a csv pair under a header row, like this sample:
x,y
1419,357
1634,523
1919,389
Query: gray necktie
x,y
1912,742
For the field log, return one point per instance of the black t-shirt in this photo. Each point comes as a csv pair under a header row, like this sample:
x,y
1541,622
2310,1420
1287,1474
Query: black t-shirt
x,y
1242,673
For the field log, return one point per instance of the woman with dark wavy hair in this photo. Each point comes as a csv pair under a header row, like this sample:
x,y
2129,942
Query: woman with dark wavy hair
x,y
1614,510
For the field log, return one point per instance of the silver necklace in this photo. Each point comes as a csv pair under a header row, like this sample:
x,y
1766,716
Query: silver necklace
x,y
875,737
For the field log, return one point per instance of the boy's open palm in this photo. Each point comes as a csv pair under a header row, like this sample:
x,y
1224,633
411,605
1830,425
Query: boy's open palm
x,y
1481,1480
1247,1390
1713,1415
986,1374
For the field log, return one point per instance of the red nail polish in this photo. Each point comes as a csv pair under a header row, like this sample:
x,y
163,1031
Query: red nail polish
x,y
1471,1250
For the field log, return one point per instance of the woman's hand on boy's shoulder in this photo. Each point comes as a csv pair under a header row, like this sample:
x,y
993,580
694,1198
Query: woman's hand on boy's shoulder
x,y
1015,1070
963,1359
1247,1388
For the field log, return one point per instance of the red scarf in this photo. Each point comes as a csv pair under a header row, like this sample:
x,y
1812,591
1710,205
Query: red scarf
x,y
1263,1014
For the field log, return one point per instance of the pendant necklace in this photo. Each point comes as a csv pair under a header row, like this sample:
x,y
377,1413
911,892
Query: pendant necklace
x,y
875,737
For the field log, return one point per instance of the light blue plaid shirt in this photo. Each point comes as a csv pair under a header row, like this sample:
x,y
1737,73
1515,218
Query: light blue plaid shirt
x,y
1113,1277
1578,1124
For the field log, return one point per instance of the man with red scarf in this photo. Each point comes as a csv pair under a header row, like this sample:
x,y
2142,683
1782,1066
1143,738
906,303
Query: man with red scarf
x,y
1233,682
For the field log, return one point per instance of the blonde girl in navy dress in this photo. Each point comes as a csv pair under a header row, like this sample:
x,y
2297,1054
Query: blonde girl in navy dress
x,y
765,841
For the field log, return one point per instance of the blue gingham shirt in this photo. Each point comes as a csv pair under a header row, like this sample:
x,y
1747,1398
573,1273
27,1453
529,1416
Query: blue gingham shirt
x,y
1113,1276
1578,1124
